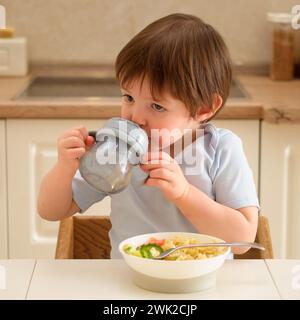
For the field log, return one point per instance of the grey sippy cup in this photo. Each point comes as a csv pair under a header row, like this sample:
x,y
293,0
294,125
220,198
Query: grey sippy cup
x,y
119,146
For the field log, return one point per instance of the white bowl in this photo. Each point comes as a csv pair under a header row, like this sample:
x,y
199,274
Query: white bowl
x,y
173,276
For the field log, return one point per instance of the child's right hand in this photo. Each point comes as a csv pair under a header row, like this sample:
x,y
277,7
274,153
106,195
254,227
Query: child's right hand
x,y
72,145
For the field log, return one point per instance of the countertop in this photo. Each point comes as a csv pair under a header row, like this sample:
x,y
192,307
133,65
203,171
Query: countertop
x,y
111,279
269,100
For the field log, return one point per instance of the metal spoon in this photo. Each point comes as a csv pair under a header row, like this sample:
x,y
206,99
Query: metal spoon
x,y
216,244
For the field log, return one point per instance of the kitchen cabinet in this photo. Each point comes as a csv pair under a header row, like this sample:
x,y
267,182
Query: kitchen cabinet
x,y
280,186
31,152
3,192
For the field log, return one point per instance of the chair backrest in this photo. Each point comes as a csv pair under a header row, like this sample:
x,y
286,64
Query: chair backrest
x,y
86,237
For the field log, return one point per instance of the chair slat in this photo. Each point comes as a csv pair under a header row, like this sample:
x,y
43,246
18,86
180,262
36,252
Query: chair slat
x,y
65,243
91,239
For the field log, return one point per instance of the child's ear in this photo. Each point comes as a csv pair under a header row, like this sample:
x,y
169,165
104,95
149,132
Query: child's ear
x,y
205,112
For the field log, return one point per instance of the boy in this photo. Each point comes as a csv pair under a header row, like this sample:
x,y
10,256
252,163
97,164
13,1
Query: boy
x,y
174,74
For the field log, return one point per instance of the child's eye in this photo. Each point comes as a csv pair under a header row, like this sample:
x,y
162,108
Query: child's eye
x,y
128,98
157,107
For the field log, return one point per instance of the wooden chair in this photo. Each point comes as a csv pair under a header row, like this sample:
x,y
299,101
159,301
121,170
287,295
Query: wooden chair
x,y
83,237
86,237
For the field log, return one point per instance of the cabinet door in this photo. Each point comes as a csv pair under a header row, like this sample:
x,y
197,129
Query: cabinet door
x,y
248,131
32,152
3,193
280,186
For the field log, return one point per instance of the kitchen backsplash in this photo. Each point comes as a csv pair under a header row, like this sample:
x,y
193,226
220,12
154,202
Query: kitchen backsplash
x,y
93,31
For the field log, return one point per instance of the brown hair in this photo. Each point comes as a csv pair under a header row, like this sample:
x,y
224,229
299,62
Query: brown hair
x,y
182,53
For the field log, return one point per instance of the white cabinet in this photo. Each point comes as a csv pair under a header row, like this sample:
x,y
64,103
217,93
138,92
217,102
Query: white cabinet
x,y
3,192
280,186
32,151
248,131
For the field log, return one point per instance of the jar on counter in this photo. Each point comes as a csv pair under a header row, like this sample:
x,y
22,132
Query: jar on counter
x,y
283,46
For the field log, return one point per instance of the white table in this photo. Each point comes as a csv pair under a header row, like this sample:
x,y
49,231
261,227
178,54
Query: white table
x,y
15,277
286,276
111,279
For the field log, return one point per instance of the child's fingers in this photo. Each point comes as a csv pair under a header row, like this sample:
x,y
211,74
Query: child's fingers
x,y
71,142
162,173
72,133
89,142
162,164
154,156
79,132
159,183
83,131
75,153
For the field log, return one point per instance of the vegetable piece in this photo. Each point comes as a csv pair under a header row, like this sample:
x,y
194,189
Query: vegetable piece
x,y
131,250
159,242
128,248
150,250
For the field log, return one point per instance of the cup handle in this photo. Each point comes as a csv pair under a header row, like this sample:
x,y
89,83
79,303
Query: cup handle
x,y
93,134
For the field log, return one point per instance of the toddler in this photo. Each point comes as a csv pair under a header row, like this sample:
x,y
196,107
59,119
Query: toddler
x,y
174,75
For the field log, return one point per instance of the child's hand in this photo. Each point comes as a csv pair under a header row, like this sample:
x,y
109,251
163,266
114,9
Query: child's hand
x,y
72,145
166,175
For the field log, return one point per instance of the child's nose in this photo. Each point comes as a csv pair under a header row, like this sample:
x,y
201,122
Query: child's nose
x,y
138,116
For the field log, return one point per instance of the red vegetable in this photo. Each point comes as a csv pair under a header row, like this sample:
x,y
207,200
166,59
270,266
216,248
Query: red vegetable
x,y
159,242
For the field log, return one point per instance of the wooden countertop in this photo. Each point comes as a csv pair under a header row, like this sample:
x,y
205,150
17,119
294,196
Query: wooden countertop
x,y
280,99
269,100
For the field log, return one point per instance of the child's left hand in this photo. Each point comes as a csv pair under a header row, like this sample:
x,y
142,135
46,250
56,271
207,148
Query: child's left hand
x,y
165,174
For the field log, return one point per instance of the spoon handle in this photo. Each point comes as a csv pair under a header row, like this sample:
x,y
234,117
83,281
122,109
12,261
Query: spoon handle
x,y
224,244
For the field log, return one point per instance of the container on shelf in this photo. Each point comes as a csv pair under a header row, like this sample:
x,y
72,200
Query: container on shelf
x,y
283,46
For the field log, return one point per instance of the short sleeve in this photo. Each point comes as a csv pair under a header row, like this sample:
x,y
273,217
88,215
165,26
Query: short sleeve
x,y
233,183
83,194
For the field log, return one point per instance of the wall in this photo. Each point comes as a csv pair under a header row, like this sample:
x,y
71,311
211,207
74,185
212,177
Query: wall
x,y
93,31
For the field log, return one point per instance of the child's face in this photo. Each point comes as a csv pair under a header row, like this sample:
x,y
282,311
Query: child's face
x,y
167,113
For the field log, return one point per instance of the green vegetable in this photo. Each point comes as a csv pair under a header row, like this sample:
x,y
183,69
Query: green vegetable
x,y
128,249
132,251
150,250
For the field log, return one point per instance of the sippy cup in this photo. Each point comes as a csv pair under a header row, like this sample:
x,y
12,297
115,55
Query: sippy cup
x,y
119,146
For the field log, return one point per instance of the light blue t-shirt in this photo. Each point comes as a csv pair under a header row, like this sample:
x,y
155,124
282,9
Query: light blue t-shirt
x,y
223,174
